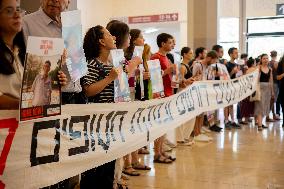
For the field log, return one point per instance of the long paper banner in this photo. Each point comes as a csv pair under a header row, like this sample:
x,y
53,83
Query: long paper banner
x,y
46,151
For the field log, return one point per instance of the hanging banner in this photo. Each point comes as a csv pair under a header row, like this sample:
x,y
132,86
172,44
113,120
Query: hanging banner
x,y
48,150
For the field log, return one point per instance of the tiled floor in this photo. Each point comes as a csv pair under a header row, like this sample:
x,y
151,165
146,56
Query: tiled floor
x,y
236,159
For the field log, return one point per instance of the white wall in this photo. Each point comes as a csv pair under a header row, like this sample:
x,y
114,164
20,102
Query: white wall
x,y
100,11
150,7
95,12
229,8
254,8
259,8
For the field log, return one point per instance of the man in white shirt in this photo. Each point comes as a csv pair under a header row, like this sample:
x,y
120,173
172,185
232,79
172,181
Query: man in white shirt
x,y
202,70
46,22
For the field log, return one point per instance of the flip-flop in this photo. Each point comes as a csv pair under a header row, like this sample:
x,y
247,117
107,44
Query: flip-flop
x,y
169,157
164,161
141,167
143,151
131,173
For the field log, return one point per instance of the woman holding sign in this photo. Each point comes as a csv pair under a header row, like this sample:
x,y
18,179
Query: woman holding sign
x,y
123,36
98,85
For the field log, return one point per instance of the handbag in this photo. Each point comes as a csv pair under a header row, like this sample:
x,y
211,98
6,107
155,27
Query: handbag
x,y
256,96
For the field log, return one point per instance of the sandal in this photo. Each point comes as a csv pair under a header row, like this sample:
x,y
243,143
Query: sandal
x,y
122,185
169,157
138,166
131,172
162,159
259,128
124,177
143,151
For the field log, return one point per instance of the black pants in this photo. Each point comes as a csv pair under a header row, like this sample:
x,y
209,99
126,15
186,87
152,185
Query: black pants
x,y
74,98
101,177
278,104
239,115
281,100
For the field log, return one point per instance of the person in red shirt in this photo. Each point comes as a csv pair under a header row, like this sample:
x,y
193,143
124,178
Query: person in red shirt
x,y
165,44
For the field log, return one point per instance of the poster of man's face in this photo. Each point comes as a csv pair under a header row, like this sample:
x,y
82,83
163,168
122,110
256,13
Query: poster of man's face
x,y
41,90
40,85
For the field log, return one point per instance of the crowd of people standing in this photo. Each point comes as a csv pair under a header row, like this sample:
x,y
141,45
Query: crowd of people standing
x,y
98,85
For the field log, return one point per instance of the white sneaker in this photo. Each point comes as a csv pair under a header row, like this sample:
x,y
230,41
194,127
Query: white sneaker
x,y
205,130
202,138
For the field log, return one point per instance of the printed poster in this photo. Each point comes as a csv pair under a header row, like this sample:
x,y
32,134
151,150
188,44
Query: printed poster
x,y
176,77
156,78
41,90
138,52
121,86
73,41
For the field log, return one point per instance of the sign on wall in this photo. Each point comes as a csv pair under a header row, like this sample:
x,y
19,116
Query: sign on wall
x,y
172,17
280,9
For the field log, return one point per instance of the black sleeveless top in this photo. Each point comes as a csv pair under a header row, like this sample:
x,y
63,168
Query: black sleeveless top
x,y
188,73
264,77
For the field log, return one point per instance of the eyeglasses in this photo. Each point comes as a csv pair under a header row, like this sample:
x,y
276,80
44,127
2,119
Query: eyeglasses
x,y
10,11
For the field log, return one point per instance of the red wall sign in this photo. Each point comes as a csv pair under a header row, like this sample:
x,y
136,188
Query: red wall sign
x,y
153,18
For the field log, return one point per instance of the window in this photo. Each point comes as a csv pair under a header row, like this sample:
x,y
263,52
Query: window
x,y
228,34
265,35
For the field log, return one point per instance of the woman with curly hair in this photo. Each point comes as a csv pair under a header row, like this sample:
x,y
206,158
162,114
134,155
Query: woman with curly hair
x,y
98,86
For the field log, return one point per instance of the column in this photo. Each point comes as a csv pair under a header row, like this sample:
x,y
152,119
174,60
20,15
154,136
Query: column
x,y
202,23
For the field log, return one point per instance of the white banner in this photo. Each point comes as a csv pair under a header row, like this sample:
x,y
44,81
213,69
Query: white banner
x,y
49,150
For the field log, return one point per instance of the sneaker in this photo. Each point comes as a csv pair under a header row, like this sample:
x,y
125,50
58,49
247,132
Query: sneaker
x,y
170,144
205,130
228,125
202,138
166,148
215,128
276,117
269,120
235,125
243,123
250,120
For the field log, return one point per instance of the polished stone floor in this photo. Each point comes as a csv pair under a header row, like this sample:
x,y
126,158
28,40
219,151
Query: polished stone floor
x,y
236,159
